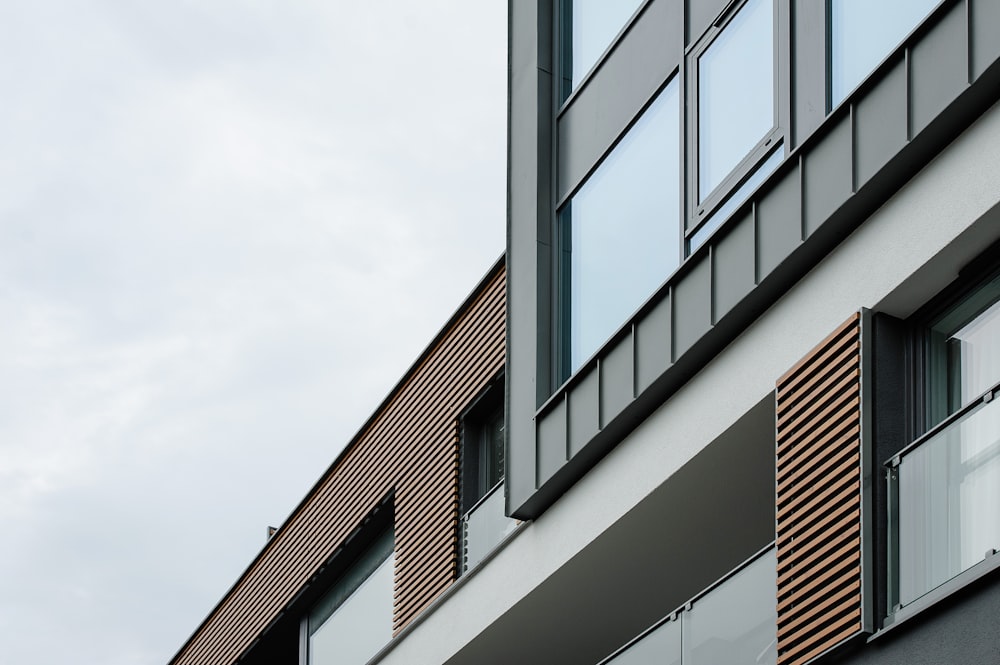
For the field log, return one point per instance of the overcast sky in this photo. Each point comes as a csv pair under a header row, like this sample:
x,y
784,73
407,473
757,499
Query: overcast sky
x,y
227,227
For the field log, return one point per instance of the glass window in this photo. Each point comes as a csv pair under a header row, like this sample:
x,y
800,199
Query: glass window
x,y
588,28
354,620
963,352
735,623
863,33
735,93
620,233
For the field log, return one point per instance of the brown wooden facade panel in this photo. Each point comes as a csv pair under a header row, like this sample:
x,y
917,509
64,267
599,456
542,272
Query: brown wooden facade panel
x,y
819,497
409,450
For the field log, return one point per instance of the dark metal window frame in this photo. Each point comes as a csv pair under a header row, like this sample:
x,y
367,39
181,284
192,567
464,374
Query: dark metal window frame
x,y
700,212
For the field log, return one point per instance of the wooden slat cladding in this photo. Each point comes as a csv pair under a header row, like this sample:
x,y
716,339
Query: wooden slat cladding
x,y
819,498
409,448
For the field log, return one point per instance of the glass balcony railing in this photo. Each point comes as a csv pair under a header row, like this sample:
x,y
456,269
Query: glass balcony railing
x,y
944,513
732,623
484,526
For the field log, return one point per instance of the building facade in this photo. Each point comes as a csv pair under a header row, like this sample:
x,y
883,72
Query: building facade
x,y
748,349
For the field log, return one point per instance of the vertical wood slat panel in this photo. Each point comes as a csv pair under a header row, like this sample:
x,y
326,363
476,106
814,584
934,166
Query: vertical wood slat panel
x,y
819,523
410,447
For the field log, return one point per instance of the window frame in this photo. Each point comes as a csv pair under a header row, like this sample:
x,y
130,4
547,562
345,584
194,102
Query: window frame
x,y
701,213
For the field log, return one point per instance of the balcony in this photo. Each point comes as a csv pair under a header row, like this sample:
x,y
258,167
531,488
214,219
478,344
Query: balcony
x,y
483,527
733,622
944,508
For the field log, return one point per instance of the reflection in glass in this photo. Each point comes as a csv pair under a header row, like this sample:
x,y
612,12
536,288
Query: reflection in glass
x,y
588,28
963,355
735,93
736,622
863,33
723,212
662,646
484,527
620,232
948,506
354,620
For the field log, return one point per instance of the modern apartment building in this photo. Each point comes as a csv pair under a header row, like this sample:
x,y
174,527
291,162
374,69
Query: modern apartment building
x,y
732,397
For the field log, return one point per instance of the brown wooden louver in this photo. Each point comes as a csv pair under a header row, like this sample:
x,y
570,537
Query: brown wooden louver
x,y
819,524
409,448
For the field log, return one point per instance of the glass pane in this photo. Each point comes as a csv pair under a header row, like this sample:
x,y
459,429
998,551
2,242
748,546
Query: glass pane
x,y
735,93
863,33
491,451
949,502
349,628
661,646
485,527
963,358
589,26
723,212
735,623
621,231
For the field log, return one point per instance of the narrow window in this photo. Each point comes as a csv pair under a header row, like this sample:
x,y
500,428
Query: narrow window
x,y
863,33
619,233
736,108
484,522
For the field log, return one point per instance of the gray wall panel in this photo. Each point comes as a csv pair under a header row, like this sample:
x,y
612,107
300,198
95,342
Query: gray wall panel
x,y
827,175
939,68
692,306
652,344
733,266
985,45
881,123
584,405
617,379
779,222
808,68
551,441
636,68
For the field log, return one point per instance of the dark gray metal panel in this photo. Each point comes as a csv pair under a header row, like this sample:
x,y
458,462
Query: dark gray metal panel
x,y
610,99
779,222
939,68
700,15
652,344
827,176
584,405
733,266
527,249
692,306
551,441
808,68
617,378
880,119
985,45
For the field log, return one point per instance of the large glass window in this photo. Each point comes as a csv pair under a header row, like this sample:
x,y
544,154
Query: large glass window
x,y
354,619
588,28
963,352
736,109
863,33
620,232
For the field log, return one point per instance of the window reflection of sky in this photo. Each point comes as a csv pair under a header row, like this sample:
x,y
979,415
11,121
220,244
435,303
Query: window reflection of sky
x,y
735,93
595,25
623,235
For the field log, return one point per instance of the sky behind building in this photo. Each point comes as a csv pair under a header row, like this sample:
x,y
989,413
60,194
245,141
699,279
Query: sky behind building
x,y
226,230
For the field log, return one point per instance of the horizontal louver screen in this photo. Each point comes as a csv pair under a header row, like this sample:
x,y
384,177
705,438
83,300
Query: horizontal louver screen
x,y
410,447
818,528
